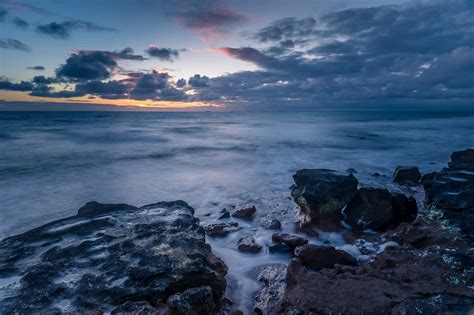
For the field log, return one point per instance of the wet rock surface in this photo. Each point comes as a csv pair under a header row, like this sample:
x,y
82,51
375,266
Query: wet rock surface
x,y
248,244
408,175
377,208
322,193
221,229
113,258
319,257
244,213
291,240
270,223
274,280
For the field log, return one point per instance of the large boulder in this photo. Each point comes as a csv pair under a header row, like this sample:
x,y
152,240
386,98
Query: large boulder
x,y
112,259
407,175
322,193
378,209
319,257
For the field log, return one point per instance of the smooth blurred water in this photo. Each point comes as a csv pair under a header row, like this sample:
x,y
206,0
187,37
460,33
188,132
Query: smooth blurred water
x,y
51,163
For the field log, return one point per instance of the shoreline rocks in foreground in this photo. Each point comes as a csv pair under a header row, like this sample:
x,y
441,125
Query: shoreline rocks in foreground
x,y
113,258
398,259
422,267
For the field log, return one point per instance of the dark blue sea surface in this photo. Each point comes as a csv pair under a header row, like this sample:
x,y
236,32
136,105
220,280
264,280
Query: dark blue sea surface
x,y
51,163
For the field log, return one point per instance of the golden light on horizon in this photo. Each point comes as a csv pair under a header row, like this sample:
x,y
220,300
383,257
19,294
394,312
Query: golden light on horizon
x,y
16,96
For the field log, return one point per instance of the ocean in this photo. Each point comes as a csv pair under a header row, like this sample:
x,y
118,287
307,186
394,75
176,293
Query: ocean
x,y
51,163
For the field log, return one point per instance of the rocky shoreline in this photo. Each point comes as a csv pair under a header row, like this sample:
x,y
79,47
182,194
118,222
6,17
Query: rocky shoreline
x,y
402,255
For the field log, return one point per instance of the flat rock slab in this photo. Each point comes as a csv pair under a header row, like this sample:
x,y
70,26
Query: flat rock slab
x,y
112,259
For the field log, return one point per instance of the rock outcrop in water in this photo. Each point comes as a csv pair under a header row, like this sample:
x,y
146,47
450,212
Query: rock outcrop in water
x,y
113,258
408,175
321,194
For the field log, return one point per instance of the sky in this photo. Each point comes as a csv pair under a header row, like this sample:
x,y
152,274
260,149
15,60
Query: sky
x,y
222,54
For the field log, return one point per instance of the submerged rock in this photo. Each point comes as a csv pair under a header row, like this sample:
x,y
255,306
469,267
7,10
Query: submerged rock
x,y
244,213
291,240
221,229
112,259
376,208
248,244
318,257
406,175
322,193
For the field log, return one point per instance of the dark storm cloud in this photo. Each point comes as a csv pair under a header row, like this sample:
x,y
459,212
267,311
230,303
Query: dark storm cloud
x,y
10,86
156,86
411,53
165,54
37,68
181,83
63,30
286,29
109,89
206,16
59,94
11,43
20,23
94,64
198,81
41,79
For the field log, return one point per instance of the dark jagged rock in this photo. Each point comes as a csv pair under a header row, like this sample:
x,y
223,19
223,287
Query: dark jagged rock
x,y
221,229
376,208
273,279
244,213
428,177
322,193
94,208
111,258
461,159
406,175
288,239
404,208
270,223
453,188
248,244
376,174
318,257
192,301
225,215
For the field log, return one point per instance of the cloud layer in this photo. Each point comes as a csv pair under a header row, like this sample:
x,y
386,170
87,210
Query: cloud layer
x,y
409,54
